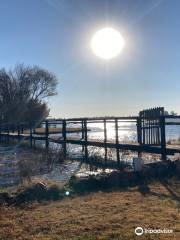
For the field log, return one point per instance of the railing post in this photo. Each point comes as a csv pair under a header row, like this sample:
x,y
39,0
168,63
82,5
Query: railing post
x,y
34,132
0,132
64,137
105,141
22,128
8,133
85,139
82,129
117,141
13,128
82,133
31,137
163,138
18,129
47,135
139,133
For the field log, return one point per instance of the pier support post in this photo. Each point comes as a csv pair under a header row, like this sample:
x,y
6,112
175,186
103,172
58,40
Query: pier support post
x,y
85,139
19,136
31,137
82,129
82,133
13,128
64,137
139,134
105,141
8,133
34,132
117,141
22,128
47,135
0,133
163,138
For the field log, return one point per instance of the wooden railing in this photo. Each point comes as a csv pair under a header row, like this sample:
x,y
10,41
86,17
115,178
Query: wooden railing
x,y
151,134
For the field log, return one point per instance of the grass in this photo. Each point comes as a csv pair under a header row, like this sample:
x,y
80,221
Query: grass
x,y
97,215
57,130
42,131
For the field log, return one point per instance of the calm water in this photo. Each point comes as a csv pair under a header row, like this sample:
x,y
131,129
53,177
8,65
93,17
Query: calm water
x,y
127,131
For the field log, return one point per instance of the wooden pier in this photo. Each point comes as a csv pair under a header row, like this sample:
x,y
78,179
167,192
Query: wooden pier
x,y
150,125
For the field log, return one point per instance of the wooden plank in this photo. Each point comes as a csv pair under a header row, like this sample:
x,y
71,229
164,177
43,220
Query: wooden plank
x,y
163,138
82,129
85,140
47,134
31,136
132,147
64,136
117,140
19,138
151,132
102,118
105,141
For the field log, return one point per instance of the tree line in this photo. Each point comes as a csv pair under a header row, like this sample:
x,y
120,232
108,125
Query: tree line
x,y
24,91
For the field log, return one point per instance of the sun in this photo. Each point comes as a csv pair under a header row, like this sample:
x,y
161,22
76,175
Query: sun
x,y
107,43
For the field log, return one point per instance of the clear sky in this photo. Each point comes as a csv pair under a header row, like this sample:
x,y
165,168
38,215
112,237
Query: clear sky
x,y
55,34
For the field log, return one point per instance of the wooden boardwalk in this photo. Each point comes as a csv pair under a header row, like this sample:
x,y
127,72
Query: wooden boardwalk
x,y
170,149
150,124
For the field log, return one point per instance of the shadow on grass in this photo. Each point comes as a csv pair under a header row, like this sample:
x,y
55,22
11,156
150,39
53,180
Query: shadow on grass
x,y
121,180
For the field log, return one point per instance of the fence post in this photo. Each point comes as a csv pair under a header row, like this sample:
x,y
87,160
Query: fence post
x,y
0,133
85,139
139,133
105,141
64,137
31,137
82,133
163,138
82,129
18,129
22,128
117,141
13,128
47,135
8,133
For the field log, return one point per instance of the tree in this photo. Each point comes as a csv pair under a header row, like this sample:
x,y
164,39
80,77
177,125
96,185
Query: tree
x,y
173,113
23,93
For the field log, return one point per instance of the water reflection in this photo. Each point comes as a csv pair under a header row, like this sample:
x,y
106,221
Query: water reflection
x,y
10,156
126,131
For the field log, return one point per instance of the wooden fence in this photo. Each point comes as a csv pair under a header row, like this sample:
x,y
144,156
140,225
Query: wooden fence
x,y
151,133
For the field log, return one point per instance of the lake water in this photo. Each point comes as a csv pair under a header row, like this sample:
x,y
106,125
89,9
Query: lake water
x,y
127,131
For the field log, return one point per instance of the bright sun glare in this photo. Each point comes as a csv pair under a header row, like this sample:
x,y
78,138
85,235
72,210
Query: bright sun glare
x,y
107,43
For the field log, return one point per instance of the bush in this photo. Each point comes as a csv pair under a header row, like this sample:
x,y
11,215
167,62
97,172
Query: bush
x,y
38,192
54,192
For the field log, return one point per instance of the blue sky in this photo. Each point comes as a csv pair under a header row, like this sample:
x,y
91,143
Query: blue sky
x,y
56,34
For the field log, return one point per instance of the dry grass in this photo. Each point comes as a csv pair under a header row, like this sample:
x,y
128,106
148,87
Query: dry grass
x,y
97,216
42,131
57,130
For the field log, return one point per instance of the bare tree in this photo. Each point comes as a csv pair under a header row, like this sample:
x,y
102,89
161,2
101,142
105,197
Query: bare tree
x,y
24,92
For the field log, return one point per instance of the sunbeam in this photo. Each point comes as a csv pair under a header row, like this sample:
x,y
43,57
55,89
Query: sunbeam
x,y
146,12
